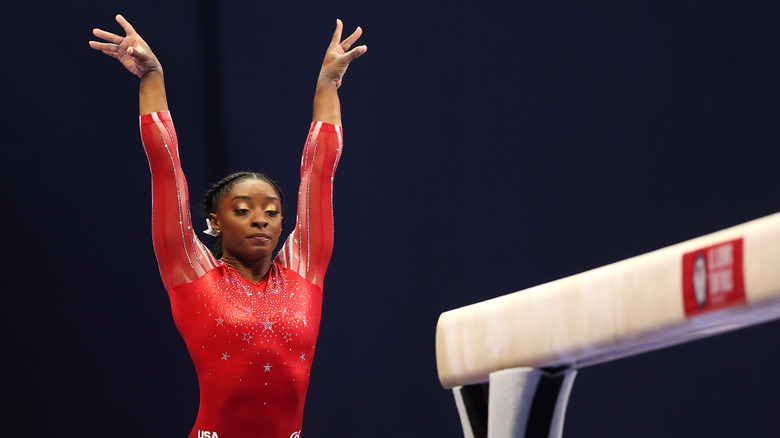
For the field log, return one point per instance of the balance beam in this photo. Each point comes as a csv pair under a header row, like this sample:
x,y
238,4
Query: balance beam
x,y
702,287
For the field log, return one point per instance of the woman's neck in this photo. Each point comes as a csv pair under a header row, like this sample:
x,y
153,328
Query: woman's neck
x,y
254,271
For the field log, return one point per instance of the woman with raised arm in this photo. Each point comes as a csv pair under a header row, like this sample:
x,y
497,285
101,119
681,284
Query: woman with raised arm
x,y
250,321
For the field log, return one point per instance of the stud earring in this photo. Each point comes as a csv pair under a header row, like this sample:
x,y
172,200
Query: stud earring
x,y
210,230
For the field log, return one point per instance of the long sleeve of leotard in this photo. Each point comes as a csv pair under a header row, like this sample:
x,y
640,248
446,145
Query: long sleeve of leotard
x,y
308,248
180,254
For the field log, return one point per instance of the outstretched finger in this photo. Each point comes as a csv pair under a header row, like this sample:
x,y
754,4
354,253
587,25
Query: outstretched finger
x,y
337,33
103,47
347,43
125,24
354,53
108,36
107,48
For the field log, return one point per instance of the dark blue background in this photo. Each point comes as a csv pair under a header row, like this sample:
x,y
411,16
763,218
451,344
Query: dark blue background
x,y
488,148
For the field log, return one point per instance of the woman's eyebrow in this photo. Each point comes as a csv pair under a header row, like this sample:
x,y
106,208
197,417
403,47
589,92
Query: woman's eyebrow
x,y
267,198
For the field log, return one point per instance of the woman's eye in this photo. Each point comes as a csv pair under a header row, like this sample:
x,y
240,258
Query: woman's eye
x,y
271,212
241,211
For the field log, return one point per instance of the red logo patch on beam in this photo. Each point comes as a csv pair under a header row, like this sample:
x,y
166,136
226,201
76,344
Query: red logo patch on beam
x,y
713,278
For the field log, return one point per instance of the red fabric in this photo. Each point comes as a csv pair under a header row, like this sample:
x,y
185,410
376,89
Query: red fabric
x,y
252,343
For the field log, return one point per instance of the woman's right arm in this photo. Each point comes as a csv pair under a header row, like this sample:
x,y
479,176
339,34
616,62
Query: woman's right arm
x,y
180,254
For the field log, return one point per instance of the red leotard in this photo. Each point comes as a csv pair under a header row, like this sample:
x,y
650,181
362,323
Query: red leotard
x,y
252,343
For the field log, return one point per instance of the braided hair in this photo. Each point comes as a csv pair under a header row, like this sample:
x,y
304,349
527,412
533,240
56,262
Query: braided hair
x,y
218,191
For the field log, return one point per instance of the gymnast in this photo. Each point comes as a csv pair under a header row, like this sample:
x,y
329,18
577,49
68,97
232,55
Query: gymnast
x,y
250,320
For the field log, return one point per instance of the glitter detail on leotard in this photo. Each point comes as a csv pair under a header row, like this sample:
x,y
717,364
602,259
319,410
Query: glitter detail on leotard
x,y
333,171
308,204
167,147
193,240
178,200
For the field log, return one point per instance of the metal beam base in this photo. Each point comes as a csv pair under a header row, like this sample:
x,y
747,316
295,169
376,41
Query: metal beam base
x,y
516,403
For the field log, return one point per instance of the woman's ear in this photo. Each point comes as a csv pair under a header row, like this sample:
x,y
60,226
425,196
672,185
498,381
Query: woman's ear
x,y
214,221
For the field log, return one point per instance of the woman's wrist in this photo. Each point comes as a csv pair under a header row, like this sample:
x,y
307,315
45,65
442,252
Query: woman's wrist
x,y
152,92
156,70
327,107
326,82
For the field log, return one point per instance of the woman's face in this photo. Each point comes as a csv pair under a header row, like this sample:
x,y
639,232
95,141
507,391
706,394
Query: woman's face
x,y
250,220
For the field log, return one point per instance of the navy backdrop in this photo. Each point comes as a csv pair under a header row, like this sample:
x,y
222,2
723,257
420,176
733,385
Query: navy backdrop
x,y
488,148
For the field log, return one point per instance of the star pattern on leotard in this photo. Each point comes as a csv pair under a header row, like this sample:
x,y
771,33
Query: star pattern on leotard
x,y
260,328
268,325
255,313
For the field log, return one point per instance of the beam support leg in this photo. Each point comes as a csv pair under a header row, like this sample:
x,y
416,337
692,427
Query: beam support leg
x,y
472,403
518,403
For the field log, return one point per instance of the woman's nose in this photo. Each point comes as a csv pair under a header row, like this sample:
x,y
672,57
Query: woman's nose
x,y
260,221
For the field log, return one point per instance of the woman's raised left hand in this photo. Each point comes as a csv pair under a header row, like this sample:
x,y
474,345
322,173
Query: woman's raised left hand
x,y
338,56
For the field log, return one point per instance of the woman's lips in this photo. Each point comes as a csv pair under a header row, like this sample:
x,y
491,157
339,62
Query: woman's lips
x,y
259,237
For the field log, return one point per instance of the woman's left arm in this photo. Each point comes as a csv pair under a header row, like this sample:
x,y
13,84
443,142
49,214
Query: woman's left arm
x,y
308,248
327,107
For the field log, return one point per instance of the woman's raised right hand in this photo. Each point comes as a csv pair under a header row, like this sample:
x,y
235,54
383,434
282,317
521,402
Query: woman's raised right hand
x,y
131,50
